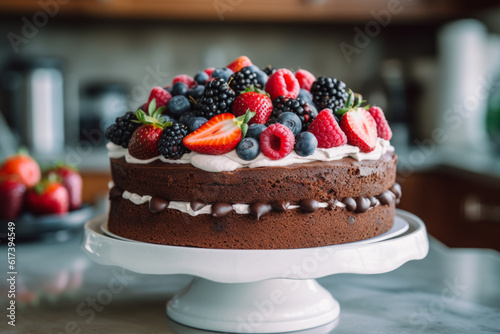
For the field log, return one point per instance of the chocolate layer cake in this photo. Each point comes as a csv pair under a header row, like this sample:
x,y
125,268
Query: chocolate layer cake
x,y
301,205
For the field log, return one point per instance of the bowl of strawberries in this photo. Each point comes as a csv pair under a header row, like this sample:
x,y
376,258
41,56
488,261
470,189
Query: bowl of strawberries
x,y
40,202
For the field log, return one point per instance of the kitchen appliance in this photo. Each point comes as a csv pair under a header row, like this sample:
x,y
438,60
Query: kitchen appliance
x,y
34,106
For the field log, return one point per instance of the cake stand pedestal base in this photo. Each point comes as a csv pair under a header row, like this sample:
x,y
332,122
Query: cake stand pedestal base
x,y
268,306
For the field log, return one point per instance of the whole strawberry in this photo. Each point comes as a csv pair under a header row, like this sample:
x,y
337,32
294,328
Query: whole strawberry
x,y
253,99
48,197
383,129
24,166
72,181
358,125
326,129
145,139
12,192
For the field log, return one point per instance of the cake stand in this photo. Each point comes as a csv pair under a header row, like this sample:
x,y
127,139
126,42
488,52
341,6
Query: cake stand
x,y
258,291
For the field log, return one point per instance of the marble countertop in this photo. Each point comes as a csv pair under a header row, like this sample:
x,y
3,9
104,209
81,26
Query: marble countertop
x,y
60,290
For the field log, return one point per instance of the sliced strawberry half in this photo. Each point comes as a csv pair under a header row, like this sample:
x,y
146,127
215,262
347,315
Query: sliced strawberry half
x,y
219,135
357,124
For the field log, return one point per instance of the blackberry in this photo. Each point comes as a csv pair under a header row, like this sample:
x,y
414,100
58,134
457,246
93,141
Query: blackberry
x,y
121,131
242,79
298,106
269,70
170,145
329,93
216,99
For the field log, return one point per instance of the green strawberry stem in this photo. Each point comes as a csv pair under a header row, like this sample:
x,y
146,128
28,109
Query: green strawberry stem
x,y
353,102
242,121
253,89
154,117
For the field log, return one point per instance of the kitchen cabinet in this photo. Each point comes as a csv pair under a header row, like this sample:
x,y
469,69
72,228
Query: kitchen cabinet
x,y
459,208
256,10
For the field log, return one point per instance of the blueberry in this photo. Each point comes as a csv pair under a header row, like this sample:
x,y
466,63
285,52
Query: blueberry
x,y
291,120
261,78
178,105
306,96
169,89
305,144
201,78
179,88
254,130
248,148
196,92
167,118
186,117
223,73
195,123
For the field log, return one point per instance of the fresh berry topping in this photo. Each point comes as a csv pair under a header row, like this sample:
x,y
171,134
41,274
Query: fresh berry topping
x,y
243,79
216,99
195,123
239,63
306,96
12,192
290,120
121,132
253,99
184,78
248,148
179,88
178,105
219,135
72,181
255,130
170,145
144,142
305,79
222,73
383,129
298,106
357,123
261,75
24,167
282,82
201,78
329,93
160,95
277,141
305,144
48,197
209,71
326,129
269,70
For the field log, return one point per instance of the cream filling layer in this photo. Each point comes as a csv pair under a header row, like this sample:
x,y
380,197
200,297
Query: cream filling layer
x,y
185,207
230,161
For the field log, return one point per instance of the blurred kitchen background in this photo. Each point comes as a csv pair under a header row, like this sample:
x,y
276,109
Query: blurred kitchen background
x,y
69,67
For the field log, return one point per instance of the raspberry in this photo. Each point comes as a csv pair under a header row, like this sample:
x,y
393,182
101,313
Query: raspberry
x,y
161,95
383,129
327,130
305,79
282,82
184,78
277,141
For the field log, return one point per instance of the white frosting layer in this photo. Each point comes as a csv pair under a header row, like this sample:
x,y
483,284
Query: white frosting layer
x,y
230,161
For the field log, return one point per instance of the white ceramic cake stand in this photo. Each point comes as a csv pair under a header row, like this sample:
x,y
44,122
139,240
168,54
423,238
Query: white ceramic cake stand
x,y
257,291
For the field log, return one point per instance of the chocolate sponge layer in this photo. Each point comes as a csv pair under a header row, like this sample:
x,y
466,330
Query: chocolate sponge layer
x,y
317,180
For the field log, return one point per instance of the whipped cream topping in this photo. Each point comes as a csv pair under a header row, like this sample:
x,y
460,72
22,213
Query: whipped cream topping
x,y
230,161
